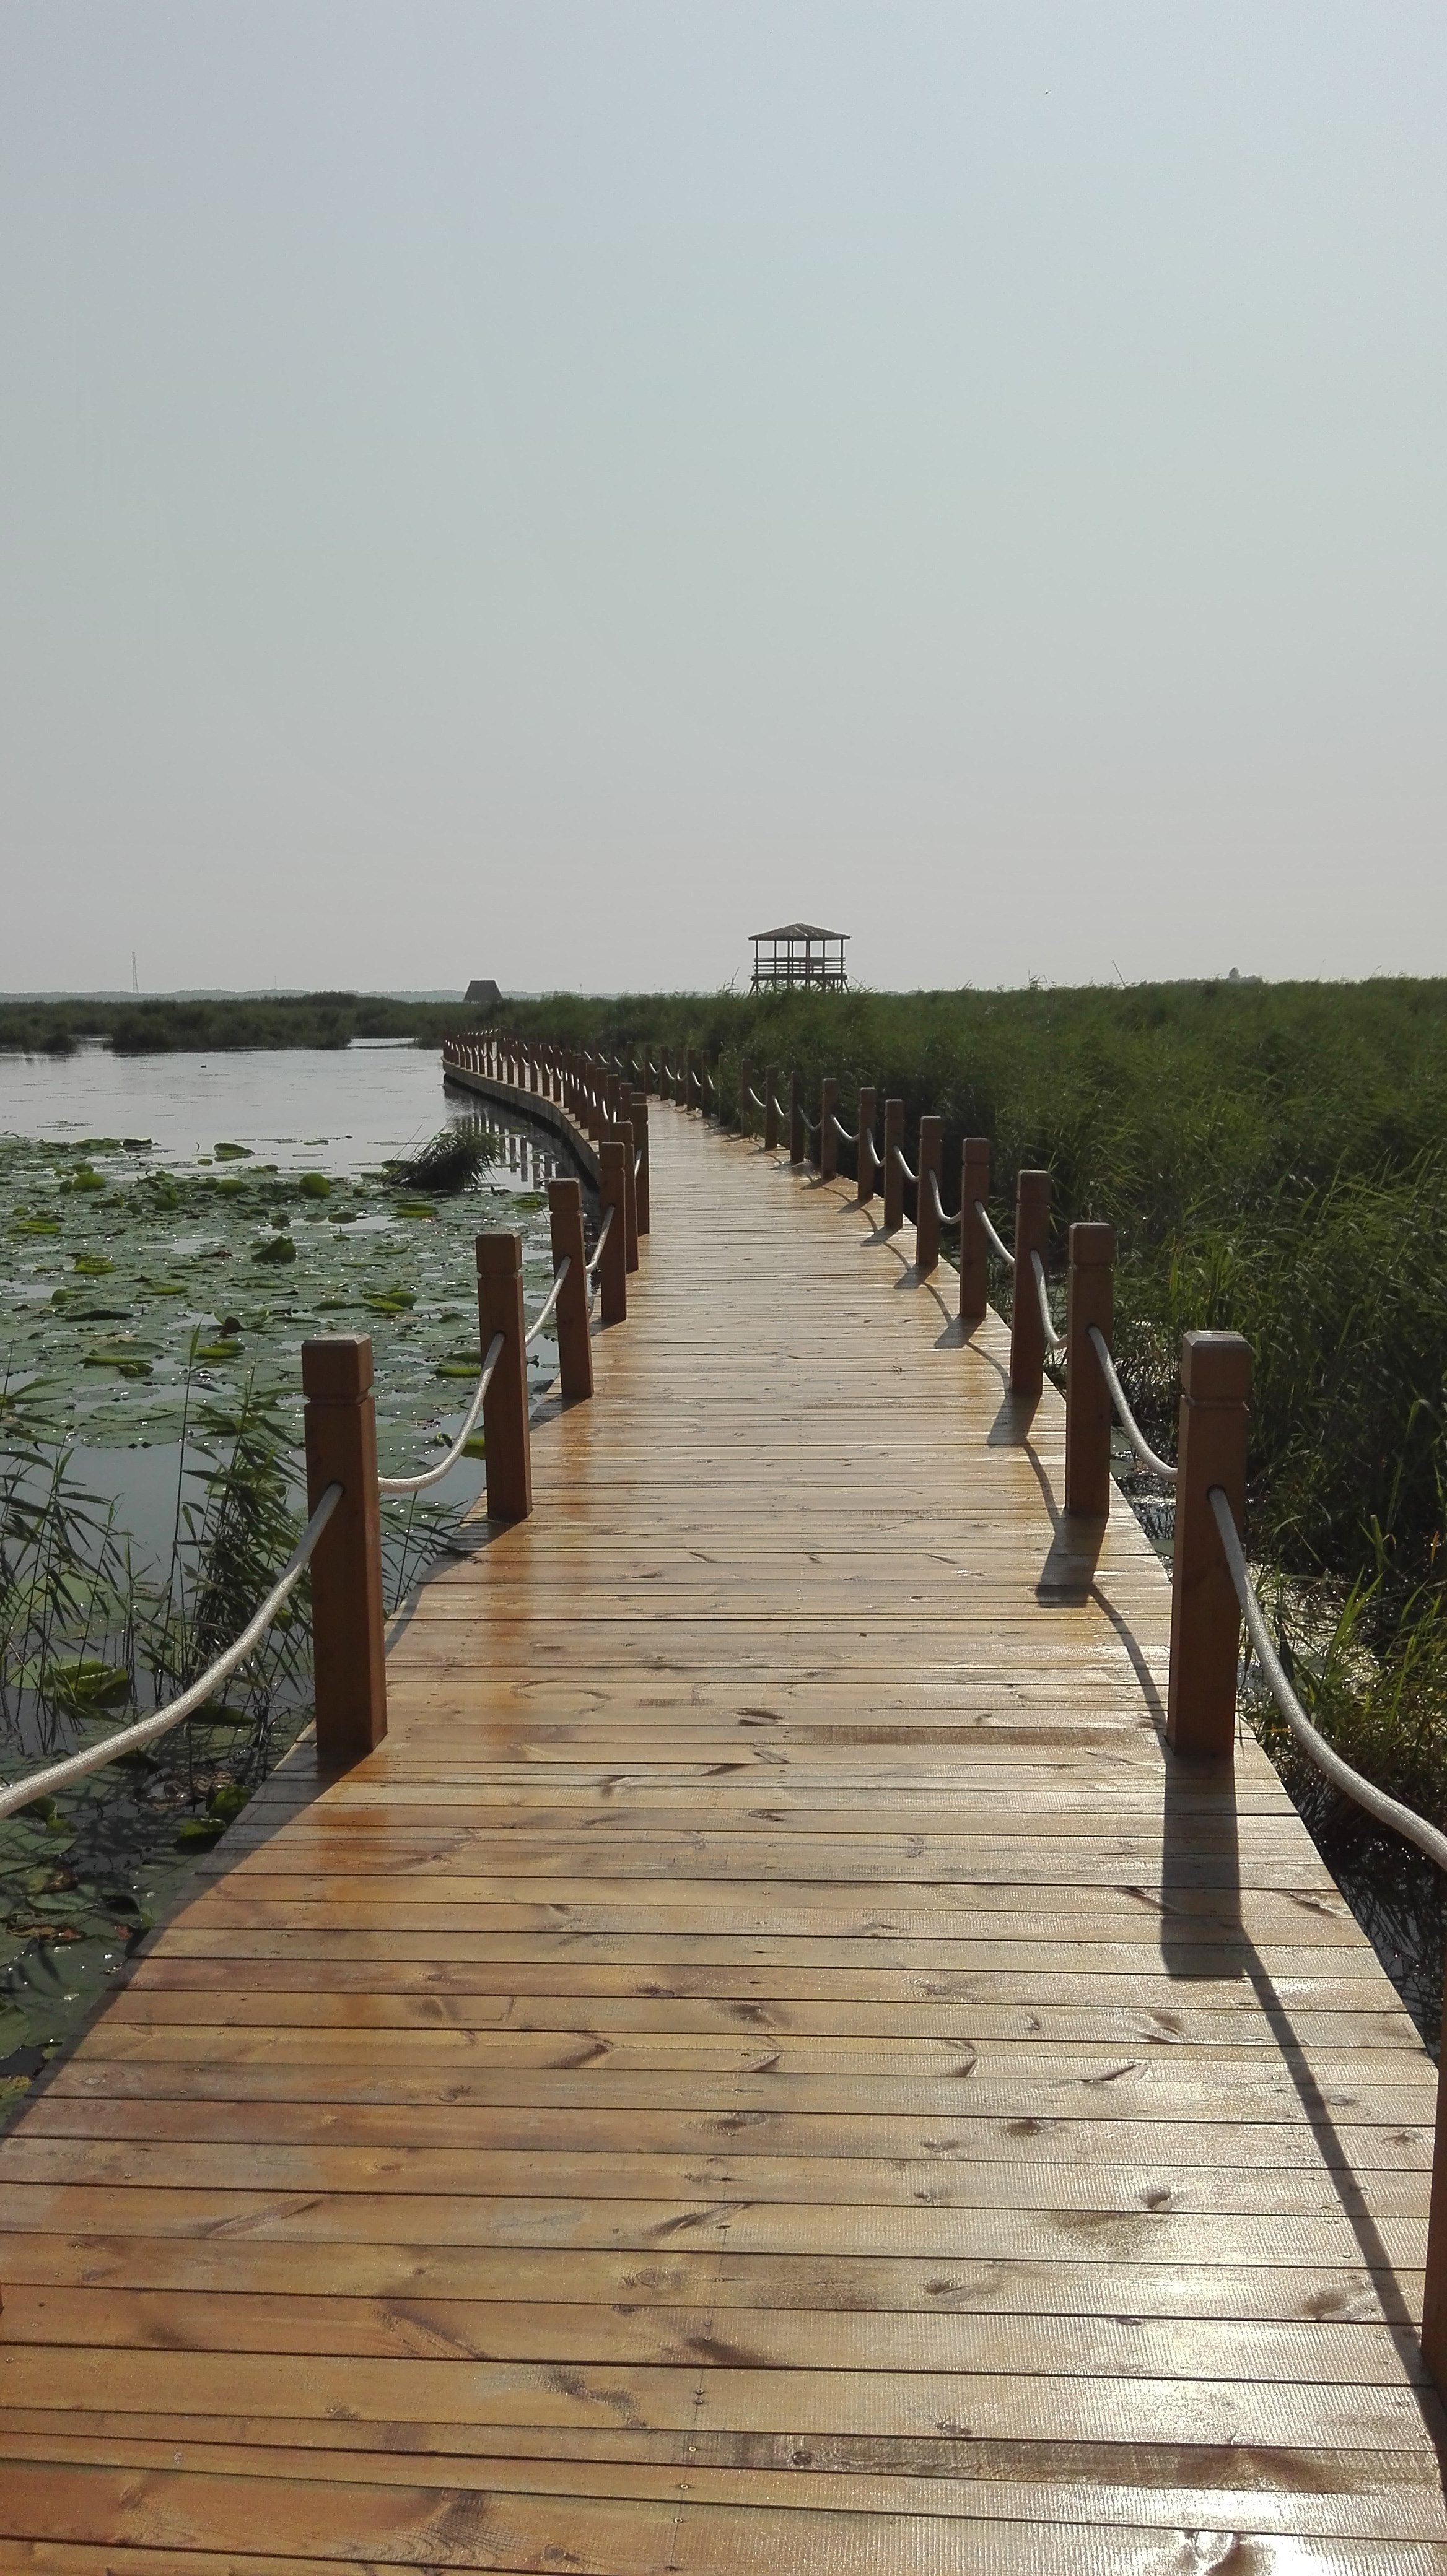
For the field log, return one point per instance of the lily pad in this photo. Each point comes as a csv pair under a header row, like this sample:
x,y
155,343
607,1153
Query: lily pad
x,y
314,1185
280,1249
89,1682
92,1265
417,1208
35,1225
232,1153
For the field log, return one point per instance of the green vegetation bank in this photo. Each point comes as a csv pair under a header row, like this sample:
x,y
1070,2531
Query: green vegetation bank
x,y
171,1026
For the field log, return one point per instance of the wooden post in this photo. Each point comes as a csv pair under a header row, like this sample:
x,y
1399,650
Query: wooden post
x,y
505,1405
746,1106
926,1216
864,1166
1027,1330
1205,1614
613,1193
685,1087
771,1108
575,1347
1434,2291
828,1140
1088,1412
796,1118
348,1657
623,1130
893,1176
638,1113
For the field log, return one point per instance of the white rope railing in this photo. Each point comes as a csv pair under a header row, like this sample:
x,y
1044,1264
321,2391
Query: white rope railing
x,y
1364,1793
1158,1466
904,1167
1002,1249
941,1210
813,1126
434,1475
76,1766
603,1233
754,1097
1053,1341
846,1135
781,1109
554,1293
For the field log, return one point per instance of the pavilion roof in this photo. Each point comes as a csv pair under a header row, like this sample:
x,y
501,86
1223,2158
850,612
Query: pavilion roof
x,y
799,930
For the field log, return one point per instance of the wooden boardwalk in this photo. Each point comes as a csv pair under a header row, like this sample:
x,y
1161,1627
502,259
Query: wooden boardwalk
x,y
768,2068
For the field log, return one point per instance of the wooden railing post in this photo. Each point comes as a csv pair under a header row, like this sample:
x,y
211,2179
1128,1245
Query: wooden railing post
x,y
1027,1329
893,1176
771,1108
623,1130
828,1140
575,1346
1088,1410
864,1166
505,1405
974,1194
926,1216
1434,2289
349,1669
685,1088
613,1193
1205,1614
796,1118
638,1113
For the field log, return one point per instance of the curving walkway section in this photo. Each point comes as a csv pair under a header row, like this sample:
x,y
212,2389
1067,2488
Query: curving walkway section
x,y
767,2068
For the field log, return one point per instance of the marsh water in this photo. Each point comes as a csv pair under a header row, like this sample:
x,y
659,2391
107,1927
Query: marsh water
x,y
173,1228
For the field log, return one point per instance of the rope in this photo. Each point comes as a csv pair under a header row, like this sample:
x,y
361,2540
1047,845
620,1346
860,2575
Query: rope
x,y
1003,1249
58,1775
847,1135
536,1326
638,1165
815,1126
1128,1423
1388,1811
781,1111
1053,1341
903,1165
940,1210
592,1268
754,1097
434,1475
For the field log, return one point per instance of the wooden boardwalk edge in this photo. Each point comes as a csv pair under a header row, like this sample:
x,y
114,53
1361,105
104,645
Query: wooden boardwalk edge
x,y
769,2066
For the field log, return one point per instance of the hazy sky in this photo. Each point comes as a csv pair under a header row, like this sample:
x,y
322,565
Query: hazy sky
x,y
545,490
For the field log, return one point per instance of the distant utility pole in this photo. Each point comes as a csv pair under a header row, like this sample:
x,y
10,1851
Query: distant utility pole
x,y
135,986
